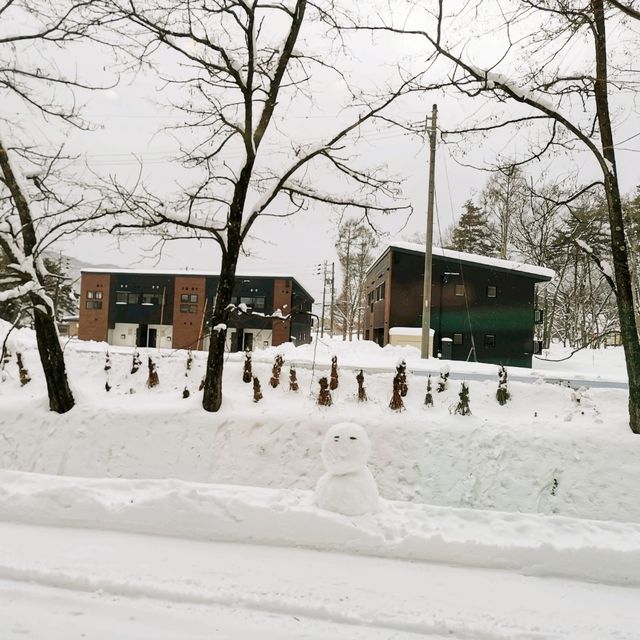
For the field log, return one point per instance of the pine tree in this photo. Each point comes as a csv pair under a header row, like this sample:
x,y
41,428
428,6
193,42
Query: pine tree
x,y
462,408
275,371
25,378
324,397
247,374
257,392
443,382
185,393
362,394
401,371
153,379
293,379
189,360
107,362
502,395
333,384
428,399
473,233
396,398
137,363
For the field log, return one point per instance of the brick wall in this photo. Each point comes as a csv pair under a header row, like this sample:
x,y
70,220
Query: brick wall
x,y
188,329
281,330
94,323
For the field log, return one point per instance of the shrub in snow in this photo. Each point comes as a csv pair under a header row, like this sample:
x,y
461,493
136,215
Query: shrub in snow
x,y
185,393
428,399
25,378
333,378
502,395
201,385
257,392
401,372
348,487
247,374
137,363
362,394
275,371
107,362
462,408
443,382
153,379
107,386
396,398
293,379
4,361
324,397
189,360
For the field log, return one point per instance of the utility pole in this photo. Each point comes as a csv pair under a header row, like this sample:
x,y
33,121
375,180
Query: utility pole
x,y
324,292
333,292
426,291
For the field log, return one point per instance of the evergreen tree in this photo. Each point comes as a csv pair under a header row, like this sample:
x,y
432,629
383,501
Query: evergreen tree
x,y
473,233
443,381
333,382
293,379
502,395
152,380
136,362
428,399
401,371
362,394
275,371
462,408
396,398
247,375
324,397
25,378
257,392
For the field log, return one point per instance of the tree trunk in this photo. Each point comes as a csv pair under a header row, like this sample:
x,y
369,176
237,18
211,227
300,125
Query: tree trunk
x,y
212,398
624,291
55,373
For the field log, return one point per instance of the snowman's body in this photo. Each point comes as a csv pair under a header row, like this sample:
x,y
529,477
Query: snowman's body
x,y
348,487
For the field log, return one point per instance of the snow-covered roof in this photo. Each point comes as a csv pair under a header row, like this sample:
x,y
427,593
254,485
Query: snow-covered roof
x,y
541,273
197,273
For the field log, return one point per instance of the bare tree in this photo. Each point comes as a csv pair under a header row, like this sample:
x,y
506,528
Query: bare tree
x,y
564,99
241,65
355,247
33,214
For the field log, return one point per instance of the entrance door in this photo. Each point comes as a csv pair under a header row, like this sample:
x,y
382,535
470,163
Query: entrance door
x,y
142,335
248,341
153,338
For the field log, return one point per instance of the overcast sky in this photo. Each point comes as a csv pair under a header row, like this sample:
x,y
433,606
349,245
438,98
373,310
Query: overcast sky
x,y
131,117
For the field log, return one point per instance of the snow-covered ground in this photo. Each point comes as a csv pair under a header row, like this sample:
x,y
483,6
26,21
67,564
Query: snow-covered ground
x,y
148,517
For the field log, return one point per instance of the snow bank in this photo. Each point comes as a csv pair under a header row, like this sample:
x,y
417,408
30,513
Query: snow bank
x,y
535,545
544,452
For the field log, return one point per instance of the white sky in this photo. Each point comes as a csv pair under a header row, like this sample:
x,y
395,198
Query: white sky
x,y
130,117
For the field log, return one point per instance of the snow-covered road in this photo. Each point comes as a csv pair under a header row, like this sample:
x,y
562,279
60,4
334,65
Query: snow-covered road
x,y
66,583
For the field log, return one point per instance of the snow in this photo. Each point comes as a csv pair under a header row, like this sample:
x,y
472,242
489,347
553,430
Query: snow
x,y
408,331
461,256
348,487
584,246
146,515
221,326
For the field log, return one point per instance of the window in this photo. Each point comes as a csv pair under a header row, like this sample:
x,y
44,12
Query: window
x,y
458,338
459,289
492,292
89,295
537,346
94,295
94,304
188,308
151,298
193,297
184,297
489,341
538,316
121,297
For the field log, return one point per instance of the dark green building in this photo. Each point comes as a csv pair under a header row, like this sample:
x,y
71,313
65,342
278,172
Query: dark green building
x,y
481,308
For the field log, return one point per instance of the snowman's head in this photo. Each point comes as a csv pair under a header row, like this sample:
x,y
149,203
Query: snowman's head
x,y
345,448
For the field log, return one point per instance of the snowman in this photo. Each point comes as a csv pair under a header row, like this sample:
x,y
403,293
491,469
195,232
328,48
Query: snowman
x,y
348,487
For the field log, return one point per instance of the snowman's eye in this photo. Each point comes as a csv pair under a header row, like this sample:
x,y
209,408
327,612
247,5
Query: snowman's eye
x,y
352,438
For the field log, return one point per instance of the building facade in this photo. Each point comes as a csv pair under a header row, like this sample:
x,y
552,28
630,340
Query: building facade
x,y
481,308
173,310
